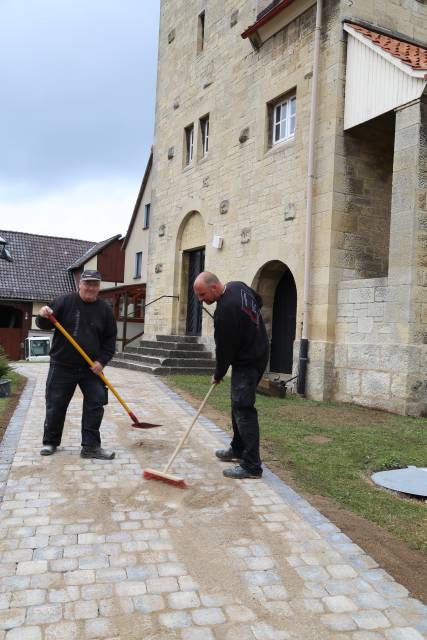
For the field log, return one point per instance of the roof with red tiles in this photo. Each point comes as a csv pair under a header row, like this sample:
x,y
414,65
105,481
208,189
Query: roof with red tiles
x,y
415,56
275,7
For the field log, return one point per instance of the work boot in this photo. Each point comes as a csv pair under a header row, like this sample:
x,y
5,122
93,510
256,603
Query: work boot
x,y
239,473
97,452
47,449
226,455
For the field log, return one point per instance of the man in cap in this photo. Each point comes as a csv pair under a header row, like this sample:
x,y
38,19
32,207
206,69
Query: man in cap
x,y
90,321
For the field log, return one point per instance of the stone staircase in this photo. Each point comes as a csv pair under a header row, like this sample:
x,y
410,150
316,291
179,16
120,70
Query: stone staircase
x,y
167,355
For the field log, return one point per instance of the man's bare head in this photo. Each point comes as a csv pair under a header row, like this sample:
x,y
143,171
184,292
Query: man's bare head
x,y
208,287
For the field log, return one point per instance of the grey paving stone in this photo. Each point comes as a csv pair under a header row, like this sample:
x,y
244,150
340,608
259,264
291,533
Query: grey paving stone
x,y
339,604
371,619
338,621
100,628
172,569
264,631
25,633
208,616
404,633
43,614
10,618
62,631
162,585
28,597
175,619
260,578
183,600
68,594
198,634
367,635
149,603
130,588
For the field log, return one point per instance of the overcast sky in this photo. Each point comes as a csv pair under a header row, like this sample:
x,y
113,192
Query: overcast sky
x,y
77,100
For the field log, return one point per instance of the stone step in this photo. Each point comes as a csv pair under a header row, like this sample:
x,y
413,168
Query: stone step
x,y
163,349
167,355
191,346
189,339
169,362
160,370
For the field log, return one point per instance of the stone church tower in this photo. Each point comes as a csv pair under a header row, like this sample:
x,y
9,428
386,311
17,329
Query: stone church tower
x,y
234,192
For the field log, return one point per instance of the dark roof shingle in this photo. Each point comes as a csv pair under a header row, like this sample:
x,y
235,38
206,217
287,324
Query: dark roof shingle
x,y
39,267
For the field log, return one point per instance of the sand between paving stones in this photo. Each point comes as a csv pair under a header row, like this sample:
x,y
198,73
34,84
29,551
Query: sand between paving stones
x,y
216,515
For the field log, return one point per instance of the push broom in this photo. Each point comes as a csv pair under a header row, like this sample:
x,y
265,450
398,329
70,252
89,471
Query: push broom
x,y
155,474
135,422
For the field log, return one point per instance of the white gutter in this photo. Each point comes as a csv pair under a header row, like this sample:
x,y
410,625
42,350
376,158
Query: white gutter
x,y
309,210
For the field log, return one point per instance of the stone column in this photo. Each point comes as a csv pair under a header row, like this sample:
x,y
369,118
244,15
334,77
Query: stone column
x,y
407,305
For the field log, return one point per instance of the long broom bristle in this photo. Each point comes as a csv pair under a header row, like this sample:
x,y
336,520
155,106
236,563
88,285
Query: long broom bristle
x,y
151,474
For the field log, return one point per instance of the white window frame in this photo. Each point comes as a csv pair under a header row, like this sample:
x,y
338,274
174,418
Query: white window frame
x,y
284,119
204,128
138,264
189,144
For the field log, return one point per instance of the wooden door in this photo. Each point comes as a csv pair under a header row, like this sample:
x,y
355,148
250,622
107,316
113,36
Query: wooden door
x,y
194,308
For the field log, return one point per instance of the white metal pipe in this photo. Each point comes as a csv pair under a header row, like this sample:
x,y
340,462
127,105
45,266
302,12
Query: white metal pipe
x,y
310,170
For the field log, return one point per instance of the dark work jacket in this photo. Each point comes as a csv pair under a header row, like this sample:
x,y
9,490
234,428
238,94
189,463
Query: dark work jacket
x,y
240,335
91,324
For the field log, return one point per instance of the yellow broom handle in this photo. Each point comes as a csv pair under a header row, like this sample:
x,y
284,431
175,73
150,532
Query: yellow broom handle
x,y
59,326
187,433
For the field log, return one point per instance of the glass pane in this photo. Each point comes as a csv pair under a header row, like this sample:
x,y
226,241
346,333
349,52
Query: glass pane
x,y
292,126
39,347
293,106
121,306
284,115
277,132
277,112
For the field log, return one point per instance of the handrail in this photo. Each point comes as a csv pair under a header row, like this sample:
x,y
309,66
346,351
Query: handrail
x,y
152,301
138,335
208,312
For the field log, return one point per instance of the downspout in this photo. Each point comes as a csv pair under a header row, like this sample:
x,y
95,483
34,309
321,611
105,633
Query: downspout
x,y
304,343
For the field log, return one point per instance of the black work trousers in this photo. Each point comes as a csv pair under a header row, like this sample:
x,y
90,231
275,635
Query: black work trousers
x,y
60,386
244,416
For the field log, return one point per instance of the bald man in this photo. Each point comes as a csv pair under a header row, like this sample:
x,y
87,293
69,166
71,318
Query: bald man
x,y
241,342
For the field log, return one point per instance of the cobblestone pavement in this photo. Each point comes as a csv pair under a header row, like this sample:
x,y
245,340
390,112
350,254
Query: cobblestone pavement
x,y
89,549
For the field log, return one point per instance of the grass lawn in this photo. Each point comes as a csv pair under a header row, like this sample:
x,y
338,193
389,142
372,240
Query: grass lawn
x,y
331,449
7,405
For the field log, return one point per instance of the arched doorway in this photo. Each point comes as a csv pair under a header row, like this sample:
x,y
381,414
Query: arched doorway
x,y
276,284
283,325
191,256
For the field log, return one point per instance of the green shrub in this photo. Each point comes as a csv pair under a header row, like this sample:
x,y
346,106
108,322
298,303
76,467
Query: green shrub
x,y
4,363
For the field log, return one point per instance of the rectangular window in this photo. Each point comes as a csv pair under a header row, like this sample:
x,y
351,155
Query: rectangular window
x,y
147,216
283,119
204,130
201,32
138,264
189,144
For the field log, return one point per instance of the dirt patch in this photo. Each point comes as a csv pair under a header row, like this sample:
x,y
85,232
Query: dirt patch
x,y
327,415
407,567
317,439
11,406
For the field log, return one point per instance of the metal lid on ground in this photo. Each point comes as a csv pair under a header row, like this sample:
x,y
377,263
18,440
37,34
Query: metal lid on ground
x,y
412,480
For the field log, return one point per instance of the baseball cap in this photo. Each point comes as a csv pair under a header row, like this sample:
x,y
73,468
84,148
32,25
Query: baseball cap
x,y
90,274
